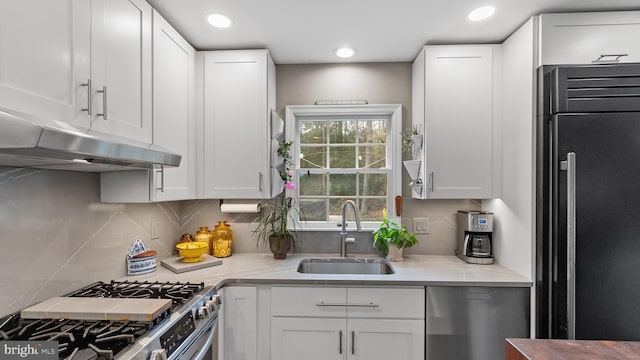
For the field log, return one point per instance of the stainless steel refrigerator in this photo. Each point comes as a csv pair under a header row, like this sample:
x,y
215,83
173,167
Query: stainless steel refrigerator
x,y
588,202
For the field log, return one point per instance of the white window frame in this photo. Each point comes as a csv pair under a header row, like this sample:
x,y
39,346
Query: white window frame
x,y
393,111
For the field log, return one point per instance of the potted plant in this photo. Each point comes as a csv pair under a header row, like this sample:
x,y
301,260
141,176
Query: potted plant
x,y
276,225
411,140
392,238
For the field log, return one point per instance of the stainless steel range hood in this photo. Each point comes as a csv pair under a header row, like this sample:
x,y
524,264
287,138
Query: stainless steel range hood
x,y
26,141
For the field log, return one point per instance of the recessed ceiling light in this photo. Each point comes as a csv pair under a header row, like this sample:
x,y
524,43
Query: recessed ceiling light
x,y
345,52
219,20
481,13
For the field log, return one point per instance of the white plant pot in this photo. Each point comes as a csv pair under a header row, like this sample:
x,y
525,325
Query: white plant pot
x,y
395,253
417,140
416,186
413,168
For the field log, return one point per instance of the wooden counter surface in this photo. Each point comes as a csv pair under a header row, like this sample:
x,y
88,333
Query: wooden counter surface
x,y
543,349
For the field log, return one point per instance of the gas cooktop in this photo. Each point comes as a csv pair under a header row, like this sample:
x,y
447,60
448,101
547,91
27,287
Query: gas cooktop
x,y
101,339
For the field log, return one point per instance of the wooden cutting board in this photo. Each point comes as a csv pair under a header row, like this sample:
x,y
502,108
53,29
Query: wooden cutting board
x,y
116,309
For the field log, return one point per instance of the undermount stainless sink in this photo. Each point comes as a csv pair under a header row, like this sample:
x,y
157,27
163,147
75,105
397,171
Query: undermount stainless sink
x,y
347,266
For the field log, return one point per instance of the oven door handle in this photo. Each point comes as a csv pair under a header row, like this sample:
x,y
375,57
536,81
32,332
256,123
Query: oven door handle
x,y
207,345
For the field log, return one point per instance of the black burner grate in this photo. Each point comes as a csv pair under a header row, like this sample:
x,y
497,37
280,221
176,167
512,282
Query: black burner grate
x,y
98,339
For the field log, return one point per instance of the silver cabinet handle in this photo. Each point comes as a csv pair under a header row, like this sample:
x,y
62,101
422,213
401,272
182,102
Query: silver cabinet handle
x,y
432,179
104,102
88,85
340,342
160,171
369,305
353,342
260,181
571,245
602,58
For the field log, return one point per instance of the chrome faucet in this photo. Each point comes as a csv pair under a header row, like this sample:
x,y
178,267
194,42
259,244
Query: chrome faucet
x,y
343,233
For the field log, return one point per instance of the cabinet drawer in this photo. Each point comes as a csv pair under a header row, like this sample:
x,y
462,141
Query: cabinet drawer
x,y
400,303
304,301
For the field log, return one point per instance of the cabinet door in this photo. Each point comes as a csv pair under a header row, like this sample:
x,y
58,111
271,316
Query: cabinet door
x,y
383,339
121,65
44,58
581,38
236,124
308,338
173,111
459,127
239,323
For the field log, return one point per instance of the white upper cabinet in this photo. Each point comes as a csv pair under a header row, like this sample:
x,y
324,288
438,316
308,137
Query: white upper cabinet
x,y
238,96
79,62
455,102
582,38
174,126
45,58
121,68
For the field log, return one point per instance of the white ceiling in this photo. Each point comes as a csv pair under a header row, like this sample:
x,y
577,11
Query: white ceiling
x,y
307,31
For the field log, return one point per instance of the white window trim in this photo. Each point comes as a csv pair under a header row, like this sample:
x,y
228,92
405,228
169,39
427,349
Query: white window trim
x,y
394,111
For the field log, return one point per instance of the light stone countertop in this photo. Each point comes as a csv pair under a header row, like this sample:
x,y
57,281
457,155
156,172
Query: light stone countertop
x,y
415,270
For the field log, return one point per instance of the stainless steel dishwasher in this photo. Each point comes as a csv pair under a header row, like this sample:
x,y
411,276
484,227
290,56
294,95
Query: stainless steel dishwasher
x,y
472,323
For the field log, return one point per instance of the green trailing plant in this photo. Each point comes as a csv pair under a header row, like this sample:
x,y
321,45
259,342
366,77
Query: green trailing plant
x,y
407,141
390,233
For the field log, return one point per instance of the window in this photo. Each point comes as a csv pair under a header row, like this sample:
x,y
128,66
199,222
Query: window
x,y
345,153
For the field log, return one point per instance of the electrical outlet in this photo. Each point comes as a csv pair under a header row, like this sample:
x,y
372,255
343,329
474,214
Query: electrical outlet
x,y
420,225
154,230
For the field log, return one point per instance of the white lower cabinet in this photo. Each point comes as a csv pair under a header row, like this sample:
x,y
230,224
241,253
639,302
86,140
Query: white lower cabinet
x,y
308,338
385,339
347,323
238,323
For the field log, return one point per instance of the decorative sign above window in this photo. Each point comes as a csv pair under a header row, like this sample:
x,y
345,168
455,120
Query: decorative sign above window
x,y
342,102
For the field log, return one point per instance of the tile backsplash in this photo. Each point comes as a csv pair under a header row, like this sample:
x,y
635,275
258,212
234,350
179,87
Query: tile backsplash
x,y
56,236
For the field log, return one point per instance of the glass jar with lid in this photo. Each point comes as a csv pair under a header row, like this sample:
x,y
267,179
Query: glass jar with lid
x,y
204,235
222,239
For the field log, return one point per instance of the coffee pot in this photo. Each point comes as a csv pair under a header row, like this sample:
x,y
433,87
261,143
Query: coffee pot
x,y
474,237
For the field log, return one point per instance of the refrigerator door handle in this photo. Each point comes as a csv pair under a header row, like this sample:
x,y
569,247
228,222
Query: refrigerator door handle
x,y
571,244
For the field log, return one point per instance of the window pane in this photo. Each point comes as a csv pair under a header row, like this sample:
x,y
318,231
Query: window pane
x,y
313,132
372,131
372,157
313,157
342,185
372,185
335,209
342,157
342,132
313,184
371,209
313,209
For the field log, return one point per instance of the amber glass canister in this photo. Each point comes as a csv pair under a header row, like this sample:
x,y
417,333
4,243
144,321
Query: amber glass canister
x,y
222,239
205,236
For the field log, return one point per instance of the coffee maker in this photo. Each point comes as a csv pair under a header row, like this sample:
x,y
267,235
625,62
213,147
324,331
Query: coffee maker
x,y
475,229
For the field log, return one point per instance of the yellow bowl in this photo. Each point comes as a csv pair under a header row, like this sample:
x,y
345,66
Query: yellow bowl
x,y
192,251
